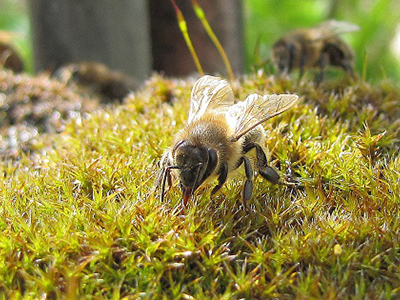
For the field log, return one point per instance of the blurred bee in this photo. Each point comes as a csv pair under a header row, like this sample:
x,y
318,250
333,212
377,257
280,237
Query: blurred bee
x,y
217,137
315,48
99,78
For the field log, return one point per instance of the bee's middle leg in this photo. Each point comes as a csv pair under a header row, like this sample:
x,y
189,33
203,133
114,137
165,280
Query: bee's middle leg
x,y
248,185
322,62
262,164
223,174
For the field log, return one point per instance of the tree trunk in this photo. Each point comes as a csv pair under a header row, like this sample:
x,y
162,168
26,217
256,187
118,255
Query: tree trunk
x,y
170,52
111,32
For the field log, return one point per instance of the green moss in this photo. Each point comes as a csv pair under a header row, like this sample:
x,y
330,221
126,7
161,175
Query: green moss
x,y
81,219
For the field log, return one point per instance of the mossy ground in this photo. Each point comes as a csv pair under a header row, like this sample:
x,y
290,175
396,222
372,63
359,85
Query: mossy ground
x,y
79,219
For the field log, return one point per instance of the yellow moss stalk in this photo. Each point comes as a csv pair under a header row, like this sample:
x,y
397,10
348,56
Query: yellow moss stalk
x,y
202,17
183,27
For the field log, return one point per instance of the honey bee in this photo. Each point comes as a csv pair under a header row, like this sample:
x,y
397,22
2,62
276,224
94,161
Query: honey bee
x,y
217,137
315,48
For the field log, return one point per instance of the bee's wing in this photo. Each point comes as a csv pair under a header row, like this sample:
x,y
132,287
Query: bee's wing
x,y
335,27
256,109
209,93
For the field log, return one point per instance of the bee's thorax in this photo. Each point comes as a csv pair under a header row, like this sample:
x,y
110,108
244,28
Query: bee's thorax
x,y
213,132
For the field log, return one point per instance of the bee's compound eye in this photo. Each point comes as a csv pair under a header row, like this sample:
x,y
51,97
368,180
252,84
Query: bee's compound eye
x,y
180,144
212,157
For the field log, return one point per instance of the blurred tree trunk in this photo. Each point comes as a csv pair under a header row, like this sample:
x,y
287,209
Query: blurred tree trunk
x,y
170,52
111,32
117,34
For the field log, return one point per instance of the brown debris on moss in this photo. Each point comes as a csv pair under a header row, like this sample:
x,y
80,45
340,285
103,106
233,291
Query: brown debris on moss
x,y
10,59
96,78
30,106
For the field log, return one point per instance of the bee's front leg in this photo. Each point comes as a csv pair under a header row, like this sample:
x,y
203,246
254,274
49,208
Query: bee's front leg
x,y
164,176
291,49
262,164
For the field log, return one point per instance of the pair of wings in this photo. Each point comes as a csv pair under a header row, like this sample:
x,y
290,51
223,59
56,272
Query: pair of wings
x,y
338,27
333,28
213,94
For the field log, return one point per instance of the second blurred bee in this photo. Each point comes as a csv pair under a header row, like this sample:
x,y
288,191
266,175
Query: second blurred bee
x,y
315,47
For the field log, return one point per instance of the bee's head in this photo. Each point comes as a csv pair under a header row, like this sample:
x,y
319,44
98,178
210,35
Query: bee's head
x,y
282,55
194,163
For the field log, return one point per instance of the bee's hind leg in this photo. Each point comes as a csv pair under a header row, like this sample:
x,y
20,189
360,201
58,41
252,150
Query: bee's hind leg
x,y
346,65
270,174
262,164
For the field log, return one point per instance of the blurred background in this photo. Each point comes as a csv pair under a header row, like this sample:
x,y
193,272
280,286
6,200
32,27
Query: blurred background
x,y
377,44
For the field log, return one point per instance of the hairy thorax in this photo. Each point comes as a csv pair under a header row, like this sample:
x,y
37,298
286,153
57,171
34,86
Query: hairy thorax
x,y
212,131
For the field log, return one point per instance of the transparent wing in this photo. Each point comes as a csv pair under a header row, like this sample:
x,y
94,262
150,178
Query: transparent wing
x,y
256,109
335,27
209,93
331,28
